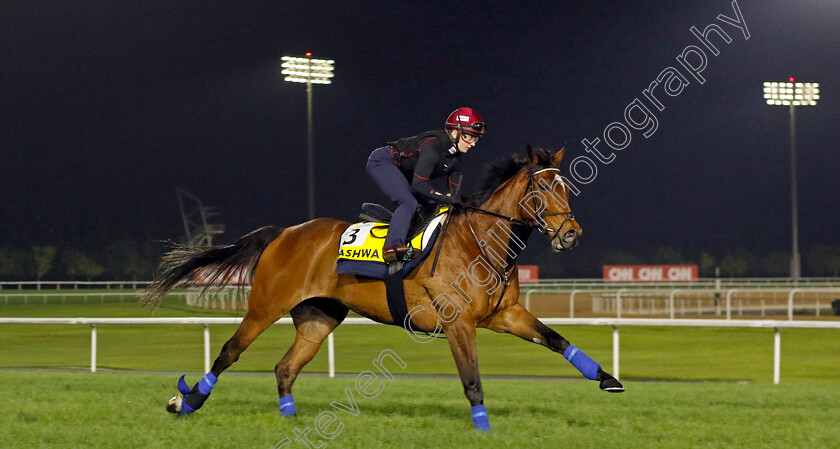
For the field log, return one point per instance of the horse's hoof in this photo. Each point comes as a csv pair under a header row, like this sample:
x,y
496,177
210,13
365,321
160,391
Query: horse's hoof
x,y
612,385
175,405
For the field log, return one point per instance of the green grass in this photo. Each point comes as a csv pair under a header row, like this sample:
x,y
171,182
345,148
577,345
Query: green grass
x,y
45,409
726,354
130,307
74,408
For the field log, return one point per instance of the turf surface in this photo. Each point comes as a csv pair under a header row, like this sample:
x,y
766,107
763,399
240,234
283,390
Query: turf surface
x,y
70,408
46,409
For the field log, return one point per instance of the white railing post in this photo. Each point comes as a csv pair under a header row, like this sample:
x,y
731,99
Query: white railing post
x,y
777,355
615,352
331,354
618,302
93,348
671,300
729,303
790,303
528,300
572,303
206,348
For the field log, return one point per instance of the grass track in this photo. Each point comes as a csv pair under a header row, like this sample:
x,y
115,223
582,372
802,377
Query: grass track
x,y
69,409
46,409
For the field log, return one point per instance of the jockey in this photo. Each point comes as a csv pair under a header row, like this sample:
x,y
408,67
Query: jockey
x,y
404,170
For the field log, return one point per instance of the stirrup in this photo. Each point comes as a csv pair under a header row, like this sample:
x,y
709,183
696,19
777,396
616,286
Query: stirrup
x,y
398,253
409,254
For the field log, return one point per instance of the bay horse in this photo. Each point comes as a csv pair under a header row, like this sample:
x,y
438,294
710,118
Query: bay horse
x,y
293,272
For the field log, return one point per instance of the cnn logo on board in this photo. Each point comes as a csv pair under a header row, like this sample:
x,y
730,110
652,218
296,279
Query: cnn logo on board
x,y
650,273
529,274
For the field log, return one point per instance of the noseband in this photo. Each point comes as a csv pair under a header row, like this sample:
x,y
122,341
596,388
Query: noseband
x,y
545,230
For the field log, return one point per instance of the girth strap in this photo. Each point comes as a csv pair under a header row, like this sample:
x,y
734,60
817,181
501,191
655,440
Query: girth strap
x,y
395,293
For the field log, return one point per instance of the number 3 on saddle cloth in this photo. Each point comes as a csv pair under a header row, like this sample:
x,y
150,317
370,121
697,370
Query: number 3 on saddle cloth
x,y
360,249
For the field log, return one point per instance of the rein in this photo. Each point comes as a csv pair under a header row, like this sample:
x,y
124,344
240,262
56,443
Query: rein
x,y
533,224
504,275
528,223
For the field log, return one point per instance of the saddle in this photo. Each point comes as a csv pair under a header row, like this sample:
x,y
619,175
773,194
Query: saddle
x,y
360,248
380,214
360,251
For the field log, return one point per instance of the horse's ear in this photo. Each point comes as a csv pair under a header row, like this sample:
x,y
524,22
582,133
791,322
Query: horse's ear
x,y
555,160
532,157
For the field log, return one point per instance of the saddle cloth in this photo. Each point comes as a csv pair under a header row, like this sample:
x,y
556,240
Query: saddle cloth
x,y
360,250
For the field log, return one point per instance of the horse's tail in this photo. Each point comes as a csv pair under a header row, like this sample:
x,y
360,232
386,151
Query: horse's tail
x,y
219,263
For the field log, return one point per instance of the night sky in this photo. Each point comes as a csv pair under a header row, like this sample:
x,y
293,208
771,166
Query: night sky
x,y
107,106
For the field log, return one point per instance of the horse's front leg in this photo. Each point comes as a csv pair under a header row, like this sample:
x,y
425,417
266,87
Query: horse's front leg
x,y
518,321
461,337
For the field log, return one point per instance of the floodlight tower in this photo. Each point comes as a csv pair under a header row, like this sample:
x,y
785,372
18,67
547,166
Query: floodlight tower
x,y
308,71
793,94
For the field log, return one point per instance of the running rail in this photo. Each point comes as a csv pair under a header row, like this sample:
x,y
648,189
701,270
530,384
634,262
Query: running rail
x,y
614,322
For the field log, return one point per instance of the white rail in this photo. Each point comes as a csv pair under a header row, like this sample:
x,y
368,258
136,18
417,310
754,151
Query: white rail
x,y
72,285
614,322
546,282
620,294
45,295
699,283
672,292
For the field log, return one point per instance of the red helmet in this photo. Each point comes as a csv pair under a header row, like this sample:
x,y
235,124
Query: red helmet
x,y
466,120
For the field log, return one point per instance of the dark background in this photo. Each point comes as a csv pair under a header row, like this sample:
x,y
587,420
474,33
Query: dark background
x,y
106,107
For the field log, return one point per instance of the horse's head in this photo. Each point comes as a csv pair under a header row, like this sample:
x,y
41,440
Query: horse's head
x,y
530,192
546,200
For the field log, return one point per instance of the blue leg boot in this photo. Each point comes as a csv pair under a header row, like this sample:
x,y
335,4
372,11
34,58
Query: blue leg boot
x,y
193,398
591,370
479,417
287,406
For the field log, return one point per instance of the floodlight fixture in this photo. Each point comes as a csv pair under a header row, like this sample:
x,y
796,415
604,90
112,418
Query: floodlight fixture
x,y
308,70
791,94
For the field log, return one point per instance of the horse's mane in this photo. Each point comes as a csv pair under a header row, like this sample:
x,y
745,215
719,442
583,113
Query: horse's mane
x,y
497,173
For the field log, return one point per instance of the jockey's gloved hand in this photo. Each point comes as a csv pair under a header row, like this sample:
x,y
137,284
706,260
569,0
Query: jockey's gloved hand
x,y
450,199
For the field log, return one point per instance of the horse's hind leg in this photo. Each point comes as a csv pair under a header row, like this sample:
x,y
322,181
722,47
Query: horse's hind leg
x,y
252,325
314,320
518,321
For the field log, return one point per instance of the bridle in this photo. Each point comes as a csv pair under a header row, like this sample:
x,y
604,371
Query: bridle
x,y
537,223
545,230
